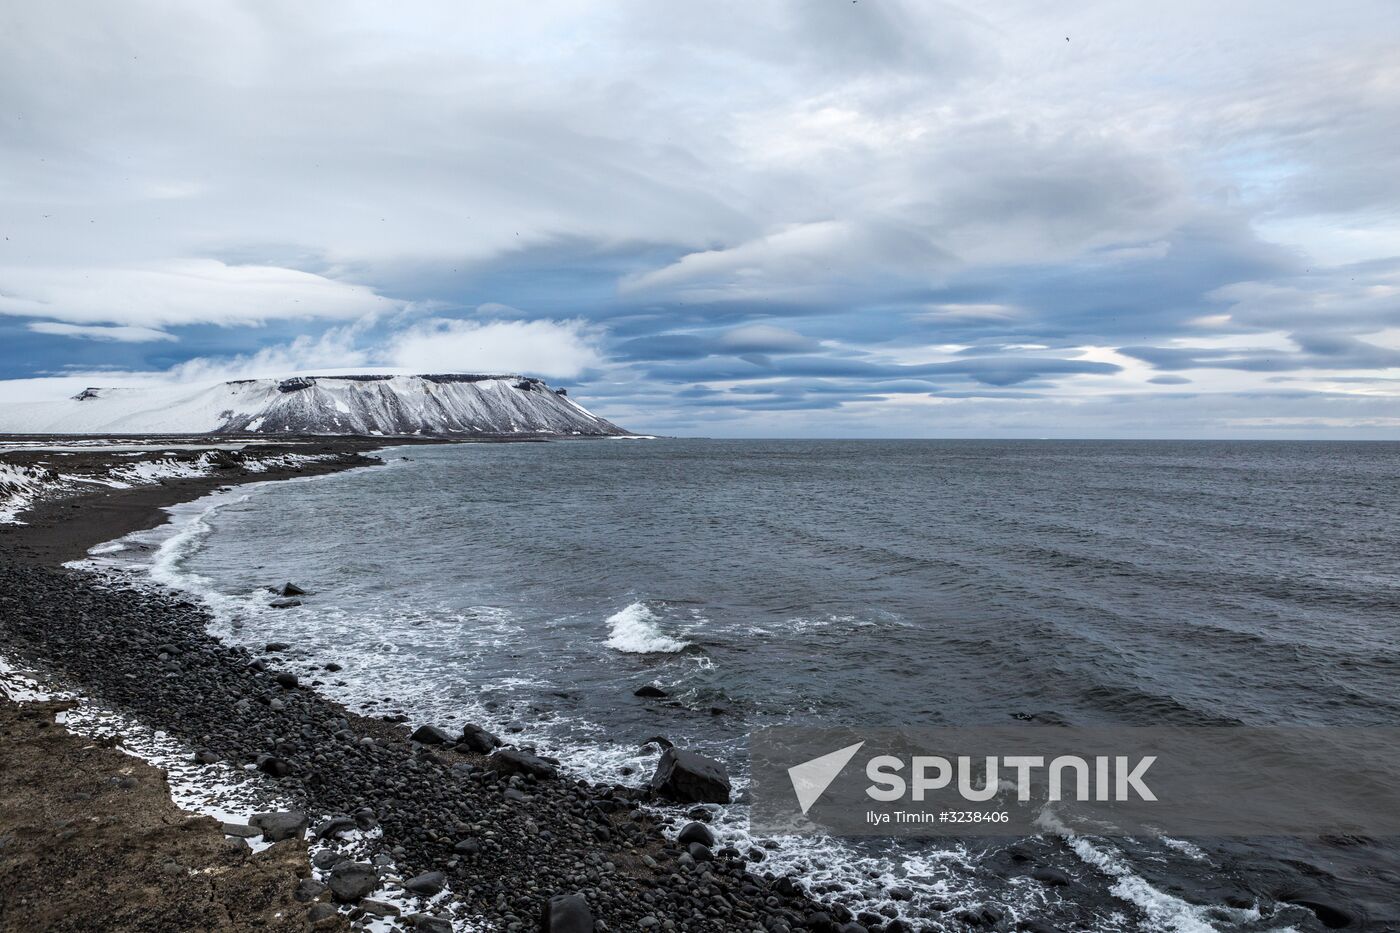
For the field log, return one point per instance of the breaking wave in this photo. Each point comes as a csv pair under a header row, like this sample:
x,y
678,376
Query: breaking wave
x,y
634,630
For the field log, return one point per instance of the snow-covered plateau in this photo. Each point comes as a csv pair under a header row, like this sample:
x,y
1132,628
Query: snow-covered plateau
x,y
428,405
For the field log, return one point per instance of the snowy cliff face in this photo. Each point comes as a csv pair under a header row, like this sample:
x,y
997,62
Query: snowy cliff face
x,y
389,405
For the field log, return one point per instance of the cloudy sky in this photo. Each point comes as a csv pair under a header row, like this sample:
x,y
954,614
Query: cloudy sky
x,y
824,218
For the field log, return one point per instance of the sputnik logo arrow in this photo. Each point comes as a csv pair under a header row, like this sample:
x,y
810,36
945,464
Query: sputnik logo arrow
x,y
811,778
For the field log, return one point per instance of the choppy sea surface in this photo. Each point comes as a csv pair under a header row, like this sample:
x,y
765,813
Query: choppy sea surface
x,y
533,587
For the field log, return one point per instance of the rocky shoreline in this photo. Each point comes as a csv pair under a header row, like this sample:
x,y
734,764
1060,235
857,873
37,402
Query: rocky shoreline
x,y
518,843
506,830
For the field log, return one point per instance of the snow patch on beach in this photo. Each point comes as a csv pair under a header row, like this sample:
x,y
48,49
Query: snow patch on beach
x,y
362,846
146,472
219,790
18,685
20,487
634,631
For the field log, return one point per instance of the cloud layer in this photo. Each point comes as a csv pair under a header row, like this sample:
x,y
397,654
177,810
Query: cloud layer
x,y
786,218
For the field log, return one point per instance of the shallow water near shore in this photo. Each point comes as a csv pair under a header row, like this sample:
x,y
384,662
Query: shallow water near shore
x,y
534,587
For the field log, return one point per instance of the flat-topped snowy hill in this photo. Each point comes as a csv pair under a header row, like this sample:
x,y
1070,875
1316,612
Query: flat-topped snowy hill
x,y
429,405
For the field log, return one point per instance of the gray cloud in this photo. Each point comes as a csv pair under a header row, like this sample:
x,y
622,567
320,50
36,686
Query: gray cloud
x,y
844,207
1315,351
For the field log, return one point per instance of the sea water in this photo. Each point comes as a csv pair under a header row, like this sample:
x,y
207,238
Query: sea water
x,y
534,587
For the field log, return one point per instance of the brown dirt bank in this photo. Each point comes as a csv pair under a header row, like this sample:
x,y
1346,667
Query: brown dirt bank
x,y
89,840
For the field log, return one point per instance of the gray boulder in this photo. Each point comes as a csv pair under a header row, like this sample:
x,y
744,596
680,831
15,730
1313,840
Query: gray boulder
x,y
351,881
688,777
432,735
428,883
567,913
696,832
478,740
275,827
518,761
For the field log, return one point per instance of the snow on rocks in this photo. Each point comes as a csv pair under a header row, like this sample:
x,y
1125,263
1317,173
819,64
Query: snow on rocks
x,y
20,486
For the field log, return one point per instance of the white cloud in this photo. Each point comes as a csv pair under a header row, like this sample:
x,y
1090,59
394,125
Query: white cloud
x,y
115,333
561,349
764,338
910,175
556,349
181,291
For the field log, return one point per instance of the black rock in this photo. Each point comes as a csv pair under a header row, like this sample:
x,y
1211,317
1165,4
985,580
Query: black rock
x,y
696,832
688,777
567,913
271,764
518,761
284,602
274,646
467,847
308,889
425,923
478,740
278,826
335,826
659,741
319,912
650,692
287,680
333,667
428,883
984,916
432,735
327,858
290,589
379,908
700,852
1051,876
350,881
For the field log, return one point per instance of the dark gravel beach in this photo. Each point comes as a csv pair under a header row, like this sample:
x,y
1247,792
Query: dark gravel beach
x,y
519,842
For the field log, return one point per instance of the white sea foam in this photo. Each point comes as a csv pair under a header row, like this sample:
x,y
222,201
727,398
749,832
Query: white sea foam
x,y
1186,848
634,630
1163,911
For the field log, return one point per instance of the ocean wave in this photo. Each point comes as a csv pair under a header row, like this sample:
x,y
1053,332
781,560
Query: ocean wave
x,y
634,631
1163,911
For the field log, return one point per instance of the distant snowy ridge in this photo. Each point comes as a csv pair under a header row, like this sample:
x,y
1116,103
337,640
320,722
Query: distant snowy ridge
x,y
429,405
